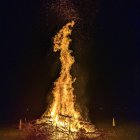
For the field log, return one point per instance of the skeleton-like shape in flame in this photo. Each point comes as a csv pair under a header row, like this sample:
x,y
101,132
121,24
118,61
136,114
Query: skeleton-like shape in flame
x,y
62,112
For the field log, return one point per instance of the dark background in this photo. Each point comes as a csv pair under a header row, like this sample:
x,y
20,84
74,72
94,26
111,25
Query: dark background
x,y
106,48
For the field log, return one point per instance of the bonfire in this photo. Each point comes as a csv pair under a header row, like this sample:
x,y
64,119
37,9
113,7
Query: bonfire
x,y
62,120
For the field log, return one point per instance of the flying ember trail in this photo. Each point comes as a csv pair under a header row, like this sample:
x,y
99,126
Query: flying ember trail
x,y
62,115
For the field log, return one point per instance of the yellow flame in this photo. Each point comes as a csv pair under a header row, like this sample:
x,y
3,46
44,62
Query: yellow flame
x,y
62,111
63,103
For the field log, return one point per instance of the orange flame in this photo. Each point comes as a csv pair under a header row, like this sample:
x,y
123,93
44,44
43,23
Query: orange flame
x,y
62,111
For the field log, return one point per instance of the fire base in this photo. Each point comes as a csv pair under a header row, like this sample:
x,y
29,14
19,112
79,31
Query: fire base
x,y
47,131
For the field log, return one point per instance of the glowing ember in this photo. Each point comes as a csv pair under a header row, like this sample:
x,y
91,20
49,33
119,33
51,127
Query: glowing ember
x,y
62,113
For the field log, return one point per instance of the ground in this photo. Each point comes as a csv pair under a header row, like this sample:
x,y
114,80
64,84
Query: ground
x,y
126,131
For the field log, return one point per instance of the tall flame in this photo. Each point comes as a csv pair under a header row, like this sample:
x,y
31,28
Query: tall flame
x,y
63,103
62,111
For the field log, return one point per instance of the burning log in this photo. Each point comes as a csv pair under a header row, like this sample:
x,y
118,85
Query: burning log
x,y
33,131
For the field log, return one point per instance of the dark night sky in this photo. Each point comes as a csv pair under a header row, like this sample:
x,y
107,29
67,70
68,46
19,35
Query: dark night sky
x,y
106,46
